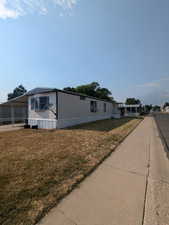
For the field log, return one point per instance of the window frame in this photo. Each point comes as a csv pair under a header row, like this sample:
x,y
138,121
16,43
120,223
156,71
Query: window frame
x,y
43,106
82,98
32,103
104,107
93,106
38,105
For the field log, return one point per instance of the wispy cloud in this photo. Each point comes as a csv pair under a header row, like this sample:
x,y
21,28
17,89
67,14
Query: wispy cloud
x,y
155,83
6,12
16,8
149,85
155,92
66,3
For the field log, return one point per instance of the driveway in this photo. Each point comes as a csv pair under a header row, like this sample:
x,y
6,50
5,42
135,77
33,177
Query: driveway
x,y
11,127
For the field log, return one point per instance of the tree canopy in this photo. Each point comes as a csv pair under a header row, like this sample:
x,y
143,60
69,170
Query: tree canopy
x,y
148,108
132,101
18,91
93,89
165,105
156,108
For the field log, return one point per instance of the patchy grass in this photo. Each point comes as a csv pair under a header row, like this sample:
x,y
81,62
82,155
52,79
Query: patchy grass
x,y
39,167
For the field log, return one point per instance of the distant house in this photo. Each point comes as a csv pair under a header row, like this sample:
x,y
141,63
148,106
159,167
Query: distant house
x,y
129,110
166,109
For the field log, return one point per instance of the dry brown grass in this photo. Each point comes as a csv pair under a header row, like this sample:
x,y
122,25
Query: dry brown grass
x,y
37,168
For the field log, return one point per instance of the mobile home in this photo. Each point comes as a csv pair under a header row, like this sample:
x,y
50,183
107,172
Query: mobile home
x,y
54,108
130,110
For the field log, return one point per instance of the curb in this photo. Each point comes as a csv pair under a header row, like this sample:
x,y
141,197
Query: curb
x,y
164,142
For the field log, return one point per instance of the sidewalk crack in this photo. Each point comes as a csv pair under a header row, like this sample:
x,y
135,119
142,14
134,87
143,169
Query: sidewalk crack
x,y
63,213
126,171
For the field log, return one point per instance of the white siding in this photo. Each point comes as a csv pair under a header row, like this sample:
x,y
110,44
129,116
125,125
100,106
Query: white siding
x,y
131,114
74,111
166,109
45,118
116,111
43,123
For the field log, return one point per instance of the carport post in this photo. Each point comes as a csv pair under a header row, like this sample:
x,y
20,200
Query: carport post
x,y
23,115
12,115
125,109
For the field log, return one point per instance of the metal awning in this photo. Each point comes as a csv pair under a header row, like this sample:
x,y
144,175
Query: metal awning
x,y
18,101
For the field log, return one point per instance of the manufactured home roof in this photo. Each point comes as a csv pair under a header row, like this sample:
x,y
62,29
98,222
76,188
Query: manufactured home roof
x,y
20,100
40,90
47,90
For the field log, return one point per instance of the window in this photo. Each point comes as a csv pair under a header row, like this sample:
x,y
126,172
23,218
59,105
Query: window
x,y
36,104
43,102
82,97
40,103
32,103
105,107
133,110
93,106
128,109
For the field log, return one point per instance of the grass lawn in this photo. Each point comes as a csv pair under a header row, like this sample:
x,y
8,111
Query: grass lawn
x,y
38,167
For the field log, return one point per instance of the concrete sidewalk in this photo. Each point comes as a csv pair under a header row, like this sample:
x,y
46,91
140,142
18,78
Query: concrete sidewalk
x,y
116,193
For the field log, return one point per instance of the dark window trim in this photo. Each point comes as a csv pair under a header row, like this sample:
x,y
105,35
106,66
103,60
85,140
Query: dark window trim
x,y
82,97
105,107
36,104
43,106
57,108
93,106
32,103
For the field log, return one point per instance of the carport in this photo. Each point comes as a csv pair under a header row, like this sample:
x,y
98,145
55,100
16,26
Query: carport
x,y
14,110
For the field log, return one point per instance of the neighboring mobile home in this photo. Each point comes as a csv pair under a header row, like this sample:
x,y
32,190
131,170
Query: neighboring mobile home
x,y
166,109
53,108
129,110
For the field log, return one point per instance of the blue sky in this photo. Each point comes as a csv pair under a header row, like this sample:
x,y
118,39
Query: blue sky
x,y
122,44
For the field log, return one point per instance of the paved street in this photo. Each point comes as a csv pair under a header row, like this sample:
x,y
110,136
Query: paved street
x,y
162,120
157,198
130,188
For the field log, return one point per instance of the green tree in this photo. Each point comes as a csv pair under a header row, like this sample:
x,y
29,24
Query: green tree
x,y
93,89
71,89
148,108
132,101
165,105
88,89
156,108
18,91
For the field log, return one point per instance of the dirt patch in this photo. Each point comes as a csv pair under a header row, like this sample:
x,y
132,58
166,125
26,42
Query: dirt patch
x,y
39,167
